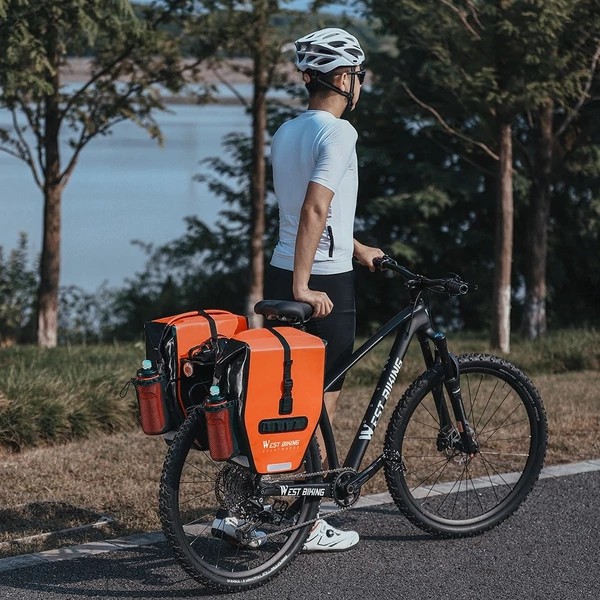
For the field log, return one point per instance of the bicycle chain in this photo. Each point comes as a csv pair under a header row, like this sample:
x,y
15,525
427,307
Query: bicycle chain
x,y
304,475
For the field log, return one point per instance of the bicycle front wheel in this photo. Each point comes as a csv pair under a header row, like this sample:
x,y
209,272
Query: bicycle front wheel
x,y
433,482
220,529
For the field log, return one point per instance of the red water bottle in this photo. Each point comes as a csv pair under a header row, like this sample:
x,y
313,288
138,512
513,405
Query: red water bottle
x,y
149,390
221,440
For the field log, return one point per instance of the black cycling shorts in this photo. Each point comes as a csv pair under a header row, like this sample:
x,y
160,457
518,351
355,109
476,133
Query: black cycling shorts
x,y
339,327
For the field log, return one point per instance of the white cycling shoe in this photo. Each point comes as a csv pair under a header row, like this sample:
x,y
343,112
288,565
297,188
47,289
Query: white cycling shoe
x,y
224,527
325,538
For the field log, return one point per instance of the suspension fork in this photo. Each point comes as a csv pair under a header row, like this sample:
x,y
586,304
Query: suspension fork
x,y
438,395
451,374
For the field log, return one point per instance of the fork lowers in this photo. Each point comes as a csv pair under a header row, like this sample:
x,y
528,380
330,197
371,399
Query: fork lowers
x,y
452,384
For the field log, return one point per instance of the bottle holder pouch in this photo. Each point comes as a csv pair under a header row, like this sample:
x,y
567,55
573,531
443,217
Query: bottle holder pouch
x,y
151,397
222,431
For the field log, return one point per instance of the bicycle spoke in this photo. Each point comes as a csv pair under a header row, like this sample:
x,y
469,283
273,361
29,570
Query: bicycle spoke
x,y
498,408
476,495
503,426
458,493
427,425
486,405
435,419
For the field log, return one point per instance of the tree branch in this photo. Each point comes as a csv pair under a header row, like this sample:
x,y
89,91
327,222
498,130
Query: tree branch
x,y
12,153
447,127
230,87
101,73
83,141
463,17
26,150
575,111
34,123
461,156
162,18
474,14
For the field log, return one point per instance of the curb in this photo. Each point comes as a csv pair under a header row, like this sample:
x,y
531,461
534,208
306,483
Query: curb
x,y
146,539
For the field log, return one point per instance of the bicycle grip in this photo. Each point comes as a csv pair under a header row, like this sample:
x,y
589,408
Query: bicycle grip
x,y
456,287
379,262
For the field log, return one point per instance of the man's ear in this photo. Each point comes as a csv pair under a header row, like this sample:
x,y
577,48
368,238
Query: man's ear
x,y
344,81
306,78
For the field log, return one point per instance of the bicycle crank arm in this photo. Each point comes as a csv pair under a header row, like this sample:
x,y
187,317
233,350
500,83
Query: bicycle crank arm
x,y
355,483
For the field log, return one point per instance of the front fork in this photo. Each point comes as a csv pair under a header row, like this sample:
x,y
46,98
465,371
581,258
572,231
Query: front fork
x,y
451,373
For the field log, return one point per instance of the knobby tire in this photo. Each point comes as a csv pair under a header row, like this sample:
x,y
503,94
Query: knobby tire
x,y
441,489
194,487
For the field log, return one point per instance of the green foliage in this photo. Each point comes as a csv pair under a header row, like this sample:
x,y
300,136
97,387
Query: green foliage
x,y
560,352
133,58
18,284
56,395
428,130
85,317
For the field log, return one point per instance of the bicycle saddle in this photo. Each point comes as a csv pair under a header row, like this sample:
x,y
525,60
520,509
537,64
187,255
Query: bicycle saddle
x,y
284,310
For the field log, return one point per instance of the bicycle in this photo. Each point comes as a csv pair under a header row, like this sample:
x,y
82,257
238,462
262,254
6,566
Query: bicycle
x,y
463,449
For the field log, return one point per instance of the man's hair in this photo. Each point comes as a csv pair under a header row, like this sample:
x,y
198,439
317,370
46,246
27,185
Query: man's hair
x,y
315,88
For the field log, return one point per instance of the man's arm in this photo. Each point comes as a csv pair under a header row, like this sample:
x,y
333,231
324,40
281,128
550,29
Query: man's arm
x,y
313,218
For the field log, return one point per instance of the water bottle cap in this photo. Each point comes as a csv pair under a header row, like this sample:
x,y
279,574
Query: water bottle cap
x,y
146,364
214,390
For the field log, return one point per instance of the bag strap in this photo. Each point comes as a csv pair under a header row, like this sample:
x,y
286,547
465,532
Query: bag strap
x,y
286,402
214,335
211,323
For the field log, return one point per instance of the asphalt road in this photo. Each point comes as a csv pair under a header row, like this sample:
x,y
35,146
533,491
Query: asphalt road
x,y
549,550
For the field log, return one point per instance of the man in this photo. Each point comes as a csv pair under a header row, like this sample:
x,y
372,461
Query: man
x,y
316,184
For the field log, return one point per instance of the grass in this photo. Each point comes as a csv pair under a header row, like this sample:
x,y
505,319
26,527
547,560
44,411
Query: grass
x,y
85,456
59,395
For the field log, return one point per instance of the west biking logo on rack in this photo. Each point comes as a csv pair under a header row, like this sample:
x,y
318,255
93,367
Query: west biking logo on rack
x,y
291,490
369,428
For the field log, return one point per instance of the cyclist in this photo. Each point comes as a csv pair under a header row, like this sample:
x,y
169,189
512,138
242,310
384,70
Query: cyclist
x,y
316,184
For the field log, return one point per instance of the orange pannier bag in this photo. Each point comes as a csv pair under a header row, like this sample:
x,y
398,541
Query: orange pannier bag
x,y
276,378
182,348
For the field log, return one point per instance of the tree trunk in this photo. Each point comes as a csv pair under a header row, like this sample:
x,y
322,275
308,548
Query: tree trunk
x,y
259,125
536,253
50,269
503,244
47,300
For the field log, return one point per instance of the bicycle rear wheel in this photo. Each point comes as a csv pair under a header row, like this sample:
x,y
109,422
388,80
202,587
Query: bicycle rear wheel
x,y
441,489
197,492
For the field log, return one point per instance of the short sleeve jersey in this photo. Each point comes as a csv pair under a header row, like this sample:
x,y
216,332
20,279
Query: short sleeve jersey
x,y
316,146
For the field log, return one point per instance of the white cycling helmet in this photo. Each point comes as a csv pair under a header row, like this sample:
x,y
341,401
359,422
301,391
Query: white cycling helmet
x,y
327,49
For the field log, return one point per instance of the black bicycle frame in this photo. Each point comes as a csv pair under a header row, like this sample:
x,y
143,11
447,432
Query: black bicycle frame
x,y
408,323
414,320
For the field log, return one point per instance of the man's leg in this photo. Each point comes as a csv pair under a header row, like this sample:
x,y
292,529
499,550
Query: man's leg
x,y
330,399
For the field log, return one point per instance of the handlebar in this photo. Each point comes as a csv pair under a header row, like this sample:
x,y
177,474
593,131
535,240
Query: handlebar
x,y
452,285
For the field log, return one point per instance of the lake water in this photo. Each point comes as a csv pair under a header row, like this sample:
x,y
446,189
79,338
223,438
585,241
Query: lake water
x,y
124,187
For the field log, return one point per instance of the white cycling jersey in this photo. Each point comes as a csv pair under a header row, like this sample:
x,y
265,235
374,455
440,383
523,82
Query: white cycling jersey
x,y
316,146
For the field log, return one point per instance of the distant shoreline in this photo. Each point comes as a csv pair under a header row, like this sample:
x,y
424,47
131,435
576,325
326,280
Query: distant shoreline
x,y
77,70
